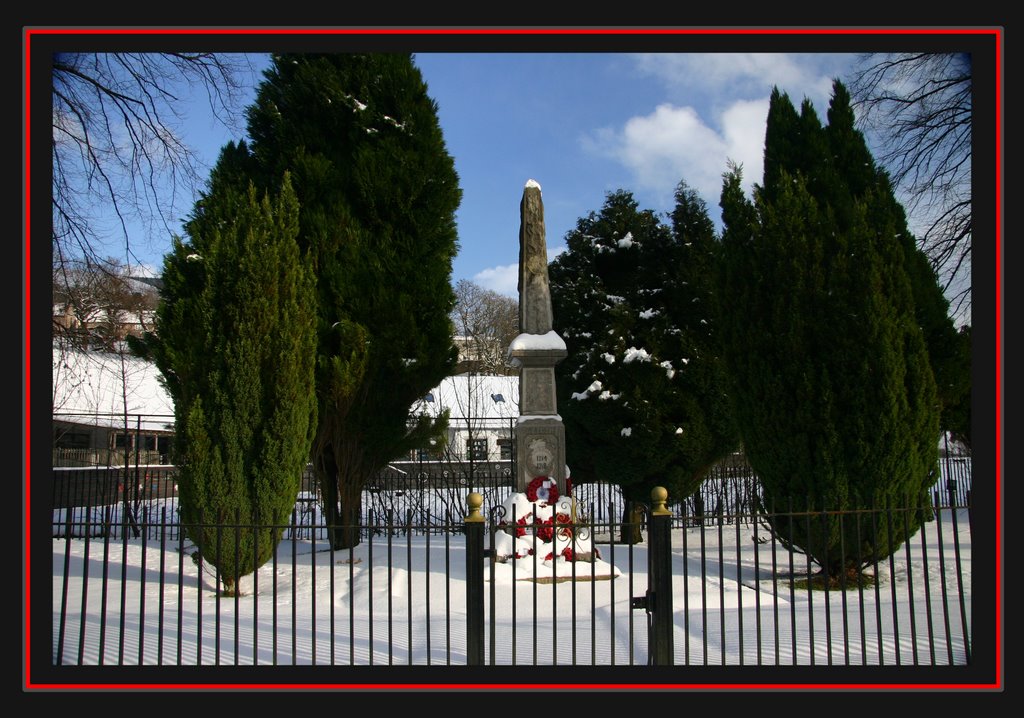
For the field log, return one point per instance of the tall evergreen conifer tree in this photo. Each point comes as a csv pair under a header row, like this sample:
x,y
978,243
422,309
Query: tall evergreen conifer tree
x,y
234,342
831,382
688,281
637,392
378,192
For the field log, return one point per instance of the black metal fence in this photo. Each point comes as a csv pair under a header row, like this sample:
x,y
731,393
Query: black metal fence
x,y
420,589
721,593
427,493
731,491
430,492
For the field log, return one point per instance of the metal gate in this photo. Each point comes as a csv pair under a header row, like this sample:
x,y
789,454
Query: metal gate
x,y
594,597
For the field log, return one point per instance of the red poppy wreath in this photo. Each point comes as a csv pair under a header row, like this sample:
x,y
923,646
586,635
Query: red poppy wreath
x,y
542,488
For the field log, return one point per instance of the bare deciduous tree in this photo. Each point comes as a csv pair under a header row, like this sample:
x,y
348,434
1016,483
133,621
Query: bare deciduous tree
x,y
917,109
97,304
487,322
118,155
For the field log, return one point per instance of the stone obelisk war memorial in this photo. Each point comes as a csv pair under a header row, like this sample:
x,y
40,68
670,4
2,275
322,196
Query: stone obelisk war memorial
x,y
540,434
540,498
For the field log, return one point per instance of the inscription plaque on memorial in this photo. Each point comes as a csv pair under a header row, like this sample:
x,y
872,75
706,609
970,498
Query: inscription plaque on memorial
x,y
539,390
540,457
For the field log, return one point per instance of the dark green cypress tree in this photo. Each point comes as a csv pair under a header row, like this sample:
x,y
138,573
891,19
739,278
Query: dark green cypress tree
x,y
862,176
378,193
234,342
636,397
830,377
687,277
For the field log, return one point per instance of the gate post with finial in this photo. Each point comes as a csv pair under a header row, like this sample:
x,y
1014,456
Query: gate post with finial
x,y
662,646
474,527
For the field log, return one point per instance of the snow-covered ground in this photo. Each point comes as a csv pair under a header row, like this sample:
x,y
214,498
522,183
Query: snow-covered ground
x,y
401,599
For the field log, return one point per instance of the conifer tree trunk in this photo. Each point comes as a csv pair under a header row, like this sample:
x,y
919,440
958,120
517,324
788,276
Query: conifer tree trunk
x,y
630,531
327,480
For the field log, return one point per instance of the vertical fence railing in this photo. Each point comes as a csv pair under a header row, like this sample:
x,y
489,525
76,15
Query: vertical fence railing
x,y
155,599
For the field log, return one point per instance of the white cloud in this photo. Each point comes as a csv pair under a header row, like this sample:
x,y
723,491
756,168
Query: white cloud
x,y
724,77
743,125
670,144
504,278
145,270
715,110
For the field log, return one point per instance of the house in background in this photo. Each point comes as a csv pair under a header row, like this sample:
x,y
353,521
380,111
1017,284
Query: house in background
x,y
110,409
482,354
99,316
482,409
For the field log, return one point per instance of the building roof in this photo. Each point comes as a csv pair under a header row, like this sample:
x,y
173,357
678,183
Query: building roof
x,y
476,396
100,388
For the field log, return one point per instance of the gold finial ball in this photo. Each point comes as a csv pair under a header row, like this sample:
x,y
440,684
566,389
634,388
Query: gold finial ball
x,y
475,501
659,495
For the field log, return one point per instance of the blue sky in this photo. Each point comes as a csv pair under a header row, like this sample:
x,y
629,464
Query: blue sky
x,y
583,125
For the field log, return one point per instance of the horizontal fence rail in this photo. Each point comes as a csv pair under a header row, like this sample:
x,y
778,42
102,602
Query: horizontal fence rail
x,y
433,490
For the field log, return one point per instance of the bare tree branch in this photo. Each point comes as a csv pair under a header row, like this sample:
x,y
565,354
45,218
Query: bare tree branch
x,y
487,323
917,108
118,154
97,304
120,162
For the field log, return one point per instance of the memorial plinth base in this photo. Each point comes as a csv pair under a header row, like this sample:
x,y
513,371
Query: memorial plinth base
x,y
546,541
